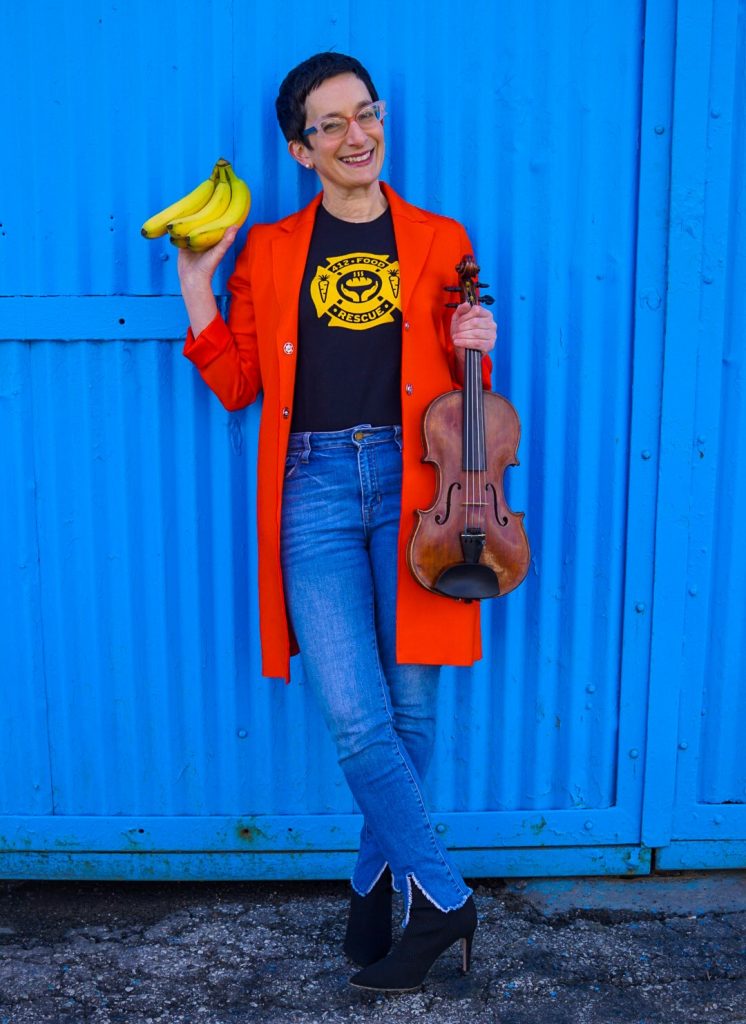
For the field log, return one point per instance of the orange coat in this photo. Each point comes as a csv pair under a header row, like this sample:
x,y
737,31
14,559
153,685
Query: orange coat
x,y
257,350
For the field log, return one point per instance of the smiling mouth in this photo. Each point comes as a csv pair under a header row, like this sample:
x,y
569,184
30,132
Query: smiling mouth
x,y
357,158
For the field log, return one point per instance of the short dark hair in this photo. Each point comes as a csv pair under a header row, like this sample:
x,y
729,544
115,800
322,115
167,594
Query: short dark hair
x,y
303,79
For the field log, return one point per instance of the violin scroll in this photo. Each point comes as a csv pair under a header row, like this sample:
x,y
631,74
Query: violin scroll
x,y
469,284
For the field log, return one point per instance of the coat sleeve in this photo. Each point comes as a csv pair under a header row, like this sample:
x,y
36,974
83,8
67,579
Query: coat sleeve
x,y
455,366
226,354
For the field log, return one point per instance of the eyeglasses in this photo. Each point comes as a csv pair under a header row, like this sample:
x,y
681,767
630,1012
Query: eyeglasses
x,y
336,126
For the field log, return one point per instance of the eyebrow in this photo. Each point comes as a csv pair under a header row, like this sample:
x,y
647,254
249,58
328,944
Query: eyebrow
x,y
338,113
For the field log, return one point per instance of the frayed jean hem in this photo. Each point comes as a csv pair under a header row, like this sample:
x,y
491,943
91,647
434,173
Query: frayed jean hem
x,y
407,888
372,884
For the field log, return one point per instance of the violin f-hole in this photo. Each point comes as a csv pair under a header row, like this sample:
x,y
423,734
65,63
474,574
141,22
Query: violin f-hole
x,y
502,520
442,520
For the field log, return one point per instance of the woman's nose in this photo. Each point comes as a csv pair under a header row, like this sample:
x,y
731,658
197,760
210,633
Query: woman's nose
x,y
355,134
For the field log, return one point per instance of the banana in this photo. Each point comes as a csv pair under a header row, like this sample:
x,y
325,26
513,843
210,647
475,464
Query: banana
x,y
209,232
157,225
215,207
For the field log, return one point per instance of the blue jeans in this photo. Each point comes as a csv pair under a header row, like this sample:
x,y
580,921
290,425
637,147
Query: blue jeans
x,y
340,526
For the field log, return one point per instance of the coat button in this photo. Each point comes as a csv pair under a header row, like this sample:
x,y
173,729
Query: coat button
x,y
285,413
409,389
406,325
288,348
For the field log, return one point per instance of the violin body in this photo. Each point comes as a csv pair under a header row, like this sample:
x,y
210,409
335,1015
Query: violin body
x,y
469,544
435,543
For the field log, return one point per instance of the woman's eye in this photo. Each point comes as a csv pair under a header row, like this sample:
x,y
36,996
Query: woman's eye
x,y
331,127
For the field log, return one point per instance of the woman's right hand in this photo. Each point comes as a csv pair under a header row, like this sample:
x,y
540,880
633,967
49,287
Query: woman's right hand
x,y
196,269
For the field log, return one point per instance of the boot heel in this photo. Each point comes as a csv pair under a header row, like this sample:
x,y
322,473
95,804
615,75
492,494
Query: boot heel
x,y
466,953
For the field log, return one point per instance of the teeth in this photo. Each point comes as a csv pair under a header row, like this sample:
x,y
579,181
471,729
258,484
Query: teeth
x,y
356,159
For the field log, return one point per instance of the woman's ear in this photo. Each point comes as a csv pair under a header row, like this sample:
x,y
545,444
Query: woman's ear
x,y
300,153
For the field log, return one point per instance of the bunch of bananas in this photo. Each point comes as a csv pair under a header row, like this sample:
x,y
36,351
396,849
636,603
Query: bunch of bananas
x,y
200,219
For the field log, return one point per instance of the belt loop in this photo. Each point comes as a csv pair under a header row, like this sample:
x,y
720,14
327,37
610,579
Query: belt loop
x,y
306,453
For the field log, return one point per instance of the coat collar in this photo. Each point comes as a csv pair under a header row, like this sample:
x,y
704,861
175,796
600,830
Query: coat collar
x,y
412,231
414,236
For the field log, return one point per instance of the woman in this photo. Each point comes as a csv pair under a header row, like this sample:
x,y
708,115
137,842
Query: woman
x,y
338,316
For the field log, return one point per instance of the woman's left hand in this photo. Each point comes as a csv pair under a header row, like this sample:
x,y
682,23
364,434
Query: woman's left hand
x,y
473,327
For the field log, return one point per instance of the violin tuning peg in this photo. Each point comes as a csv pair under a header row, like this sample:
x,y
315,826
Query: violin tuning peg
x,y
486,300
451,288
451,305
482,284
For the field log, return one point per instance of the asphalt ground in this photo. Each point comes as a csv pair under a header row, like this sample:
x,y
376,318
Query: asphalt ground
x,y
585,951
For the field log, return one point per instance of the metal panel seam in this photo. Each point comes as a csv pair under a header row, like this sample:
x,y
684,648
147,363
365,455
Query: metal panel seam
x,y
657,815
39,577
649,315
692,55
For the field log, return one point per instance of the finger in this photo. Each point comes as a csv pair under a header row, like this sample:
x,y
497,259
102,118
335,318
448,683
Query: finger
x,y
210,258
477,323
483,344
222,247
478,313
475,334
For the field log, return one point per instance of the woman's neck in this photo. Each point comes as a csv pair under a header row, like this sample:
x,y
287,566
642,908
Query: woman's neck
x,y
360,206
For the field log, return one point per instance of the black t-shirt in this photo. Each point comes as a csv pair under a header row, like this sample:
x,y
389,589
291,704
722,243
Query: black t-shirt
x,y
349,327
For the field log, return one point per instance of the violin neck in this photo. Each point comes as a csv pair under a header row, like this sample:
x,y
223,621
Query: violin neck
x,y
473,455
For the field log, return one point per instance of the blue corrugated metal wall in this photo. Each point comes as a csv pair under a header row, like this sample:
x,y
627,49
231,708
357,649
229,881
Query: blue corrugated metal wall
x,y
697,811
595,153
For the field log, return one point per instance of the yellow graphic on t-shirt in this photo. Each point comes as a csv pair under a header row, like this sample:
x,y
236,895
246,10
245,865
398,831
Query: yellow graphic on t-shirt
x,y
358,290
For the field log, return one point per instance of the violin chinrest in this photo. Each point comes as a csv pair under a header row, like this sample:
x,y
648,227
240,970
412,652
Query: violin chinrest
x,y
468,581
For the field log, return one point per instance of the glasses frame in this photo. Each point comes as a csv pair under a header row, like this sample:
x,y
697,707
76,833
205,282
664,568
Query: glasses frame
x,y
315,127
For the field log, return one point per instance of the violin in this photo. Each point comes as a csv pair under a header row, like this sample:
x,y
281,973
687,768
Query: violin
x,y
469,545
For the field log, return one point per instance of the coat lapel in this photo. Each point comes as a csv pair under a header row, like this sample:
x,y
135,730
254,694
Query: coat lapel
x,y
414,236
289,252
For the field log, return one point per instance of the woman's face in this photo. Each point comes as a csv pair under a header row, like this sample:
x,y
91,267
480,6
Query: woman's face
x,y
353,160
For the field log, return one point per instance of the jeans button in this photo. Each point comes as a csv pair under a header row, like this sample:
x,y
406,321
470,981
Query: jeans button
x,y
358,435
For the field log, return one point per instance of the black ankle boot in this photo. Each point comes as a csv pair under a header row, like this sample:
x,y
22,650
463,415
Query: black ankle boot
x,y
368,936
429,932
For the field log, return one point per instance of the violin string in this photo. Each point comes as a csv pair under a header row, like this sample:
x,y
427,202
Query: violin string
x,y
480,438
476,382
475,448
483,427
469,441
467,446
470,428
476,440
479,442
485,477
474,428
